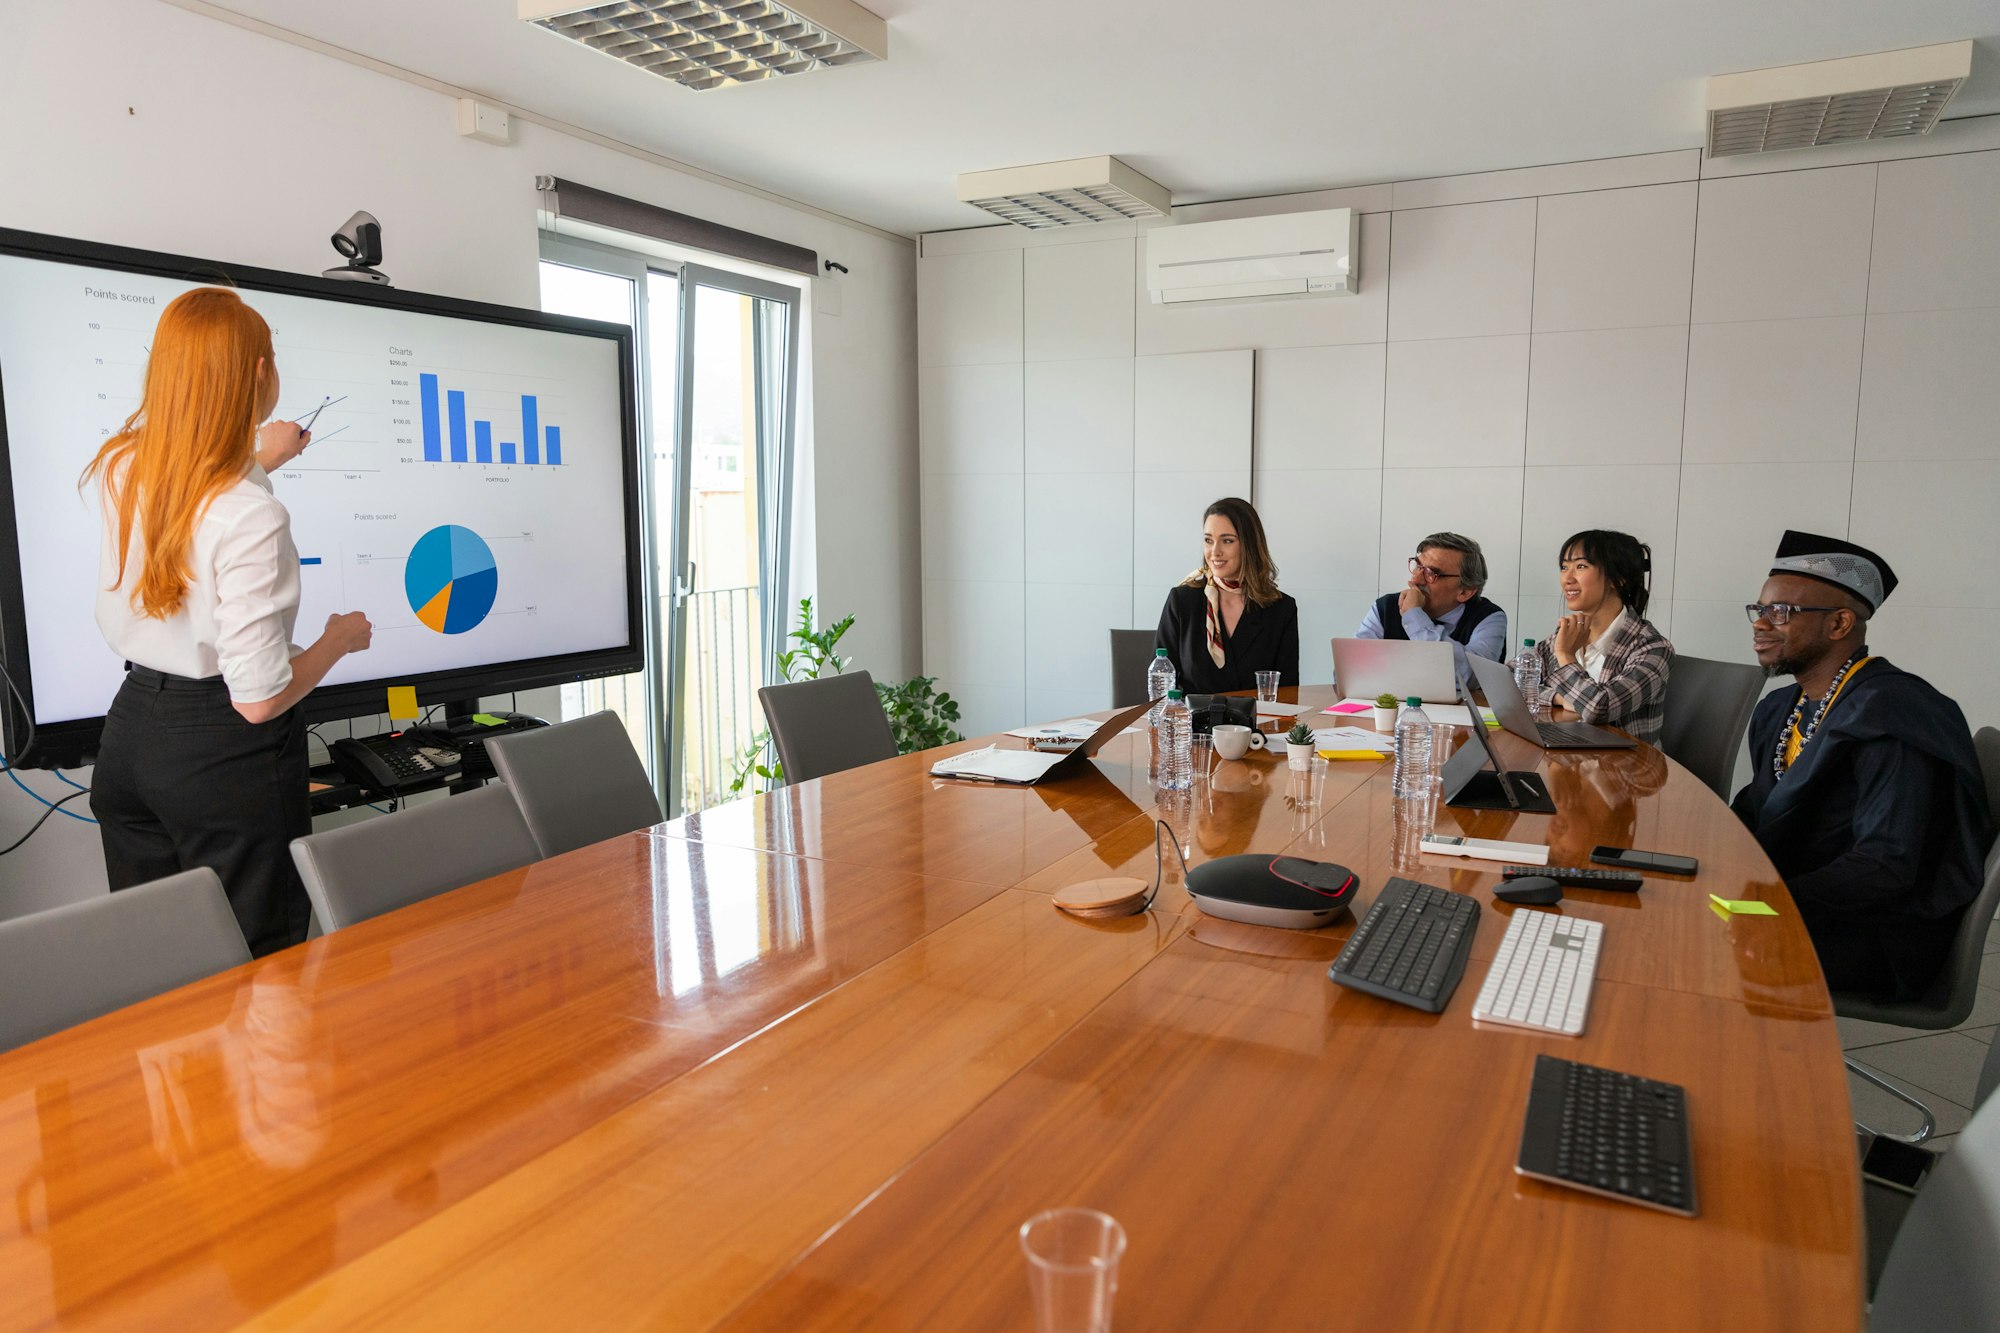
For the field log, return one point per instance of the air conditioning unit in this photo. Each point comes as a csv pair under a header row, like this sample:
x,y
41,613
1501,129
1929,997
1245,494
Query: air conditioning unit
x,y
1252,259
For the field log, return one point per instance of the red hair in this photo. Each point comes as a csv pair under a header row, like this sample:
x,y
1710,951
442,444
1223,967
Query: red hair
x,y
208,383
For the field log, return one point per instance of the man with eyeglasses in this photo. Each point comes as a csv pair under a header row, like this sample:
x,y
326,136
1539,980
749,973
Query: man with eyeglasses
x,y
1442,602
1865,790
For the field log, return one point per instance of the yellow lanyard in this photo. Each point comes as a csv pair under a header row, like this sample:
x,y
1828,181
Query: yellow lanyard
x,y
1794,741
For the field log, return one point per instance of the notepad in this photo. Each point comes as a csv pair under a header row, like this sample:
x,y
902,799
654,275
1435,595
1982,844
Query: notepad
x,y
1740,906
1350,706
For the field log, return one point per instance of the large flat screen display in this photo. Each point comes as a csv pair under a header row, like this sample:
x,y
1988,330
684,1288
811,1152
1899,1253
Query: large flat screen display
x,y
470,485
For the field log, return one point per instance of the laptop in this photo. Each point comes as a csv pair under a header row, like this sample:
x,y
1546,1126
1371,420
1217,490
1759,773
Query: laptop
x,y
1496,681
1364,668
1474,778
1024,768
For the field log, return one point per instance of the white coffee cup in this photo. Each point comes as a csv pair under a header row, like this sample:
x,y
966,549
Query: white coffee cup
x,y
1233,742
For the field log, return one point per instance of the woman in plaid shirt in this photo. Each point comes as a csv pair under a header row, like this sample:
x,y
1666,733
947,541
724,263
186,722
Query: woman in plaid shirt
x,y
1605,661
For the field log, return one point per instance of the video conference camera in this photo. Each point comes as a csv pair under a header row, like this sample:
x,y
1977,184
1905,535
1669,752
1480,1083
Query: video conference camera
x,y
359,242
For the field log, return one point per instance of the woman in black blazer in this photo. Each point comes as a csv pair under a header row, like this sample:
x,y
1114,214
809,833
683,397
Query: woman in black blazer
x,y
1227,621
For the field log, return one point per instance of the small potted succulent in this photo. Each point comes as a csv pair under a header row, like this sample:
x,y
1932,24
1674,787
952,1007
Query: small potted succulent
x,y
1385,711
1299,747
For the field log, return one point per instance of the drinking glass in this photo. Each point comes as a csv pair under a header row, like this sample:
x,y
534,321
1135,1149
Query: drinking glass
x,y
1202,749
1073,1256
1267,686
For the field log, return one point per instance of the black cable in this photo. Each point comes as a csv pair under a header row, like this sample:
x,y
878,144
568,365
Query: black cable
x,y
27,714
53,807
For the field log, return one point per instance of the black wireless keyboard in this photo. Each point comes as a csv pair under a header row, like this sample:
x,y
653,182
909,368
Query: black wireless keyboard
x,y
1411,947
1580,877
1610,1133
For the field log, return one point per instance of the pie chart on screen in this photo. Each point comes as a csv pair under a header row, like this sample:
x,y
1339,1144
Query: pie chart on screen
x,y
451,579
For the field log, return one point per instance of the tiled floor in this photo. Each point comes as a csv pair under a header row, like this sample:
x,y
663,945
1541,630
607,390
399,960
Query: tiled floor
x,y
1938,1068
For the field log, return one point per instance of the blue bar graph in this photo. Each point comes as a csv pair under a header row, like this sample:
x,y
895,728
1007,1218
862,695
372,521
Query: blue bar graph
x,y
446,417
433,438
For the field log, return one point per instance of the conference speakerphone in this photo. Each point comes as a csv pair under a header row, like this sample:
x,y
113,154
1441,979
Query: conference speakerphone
x,y
1520,853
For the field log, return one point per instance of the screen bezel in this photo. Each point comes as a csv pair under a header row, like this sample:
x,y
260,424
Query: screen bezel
x,y
70,743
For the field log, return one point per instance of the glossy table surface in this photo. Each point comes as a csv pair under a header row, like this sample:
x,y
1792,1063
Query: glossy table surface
x,y
808,1059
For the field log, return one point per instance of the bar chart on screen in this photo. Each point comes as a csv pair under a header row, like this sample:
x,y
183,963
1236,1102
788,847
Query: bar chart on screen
x,y
463,423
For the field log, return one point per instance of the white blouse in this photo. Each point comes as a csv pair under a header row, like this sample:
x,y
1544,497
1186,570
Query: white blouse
x,y
1590,657
242,601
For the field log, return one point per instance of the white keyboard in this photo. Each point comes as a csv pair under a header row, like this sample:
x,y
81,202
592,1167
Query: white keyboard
x,y
1541,977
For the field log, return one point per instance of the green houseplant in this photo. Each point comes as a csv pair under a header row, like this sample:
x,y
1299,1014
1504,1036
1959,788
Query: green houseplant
x,y
1299,746
920,715
1385,711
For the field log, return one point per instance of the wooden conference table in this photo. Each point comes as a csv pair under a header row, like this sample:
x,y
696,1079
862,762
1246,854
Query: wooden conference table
x,y
807,1060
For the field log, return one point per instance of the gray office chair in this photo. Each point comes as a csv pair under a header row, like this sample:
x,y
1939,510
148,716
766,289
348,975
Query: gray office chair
x,y
68,964
1707,710
1949,1000
1989,1076
1131,658
827,725
1940,1276
576,782
378,865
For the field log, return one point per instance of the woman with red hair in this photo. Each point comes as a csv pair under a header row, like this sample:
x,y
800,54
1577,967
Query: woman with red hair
x,y
203,761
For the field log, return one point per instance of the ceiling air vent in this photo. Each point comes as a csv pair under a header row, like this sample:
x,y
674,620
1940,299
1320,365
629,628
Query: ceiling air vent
x,y
1064,194
712,43
1882,96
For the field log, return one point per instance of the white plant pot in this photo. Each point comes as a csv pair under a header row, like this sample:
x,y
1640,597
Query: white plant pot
x,y
1300,757
1385,719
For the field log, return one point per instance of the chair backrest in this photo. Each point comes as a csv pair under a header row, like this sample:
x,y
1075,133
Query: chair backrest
x,y
375,866
1940,1272
576,782
827,725
1707,710
1131,658
68,964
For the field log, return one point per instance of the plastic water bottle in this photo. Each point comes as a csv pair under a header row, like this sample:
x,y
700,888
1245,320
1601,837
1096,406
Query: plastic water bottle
x,y
1528,676
1176,744
1159,679
1413,752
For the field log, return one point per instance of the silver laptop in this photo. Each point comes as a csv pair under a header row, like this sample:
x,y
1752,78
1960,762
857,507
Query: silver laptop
x,y
1496,682
1364,668
1027,767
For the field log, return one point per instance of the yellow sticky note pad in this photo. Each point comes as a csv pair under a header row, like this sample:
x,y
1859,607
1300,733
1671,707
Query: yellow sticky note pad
x,y
1741,906
1352,754
403,703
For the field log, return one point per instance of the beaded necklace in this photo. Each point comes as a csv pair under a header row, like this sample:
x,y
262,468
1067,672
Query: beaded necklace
x,y
1778,765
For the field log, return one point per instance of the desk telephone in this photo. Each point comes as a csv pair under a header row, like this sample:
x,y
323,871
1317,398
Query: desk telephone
x,y
394,763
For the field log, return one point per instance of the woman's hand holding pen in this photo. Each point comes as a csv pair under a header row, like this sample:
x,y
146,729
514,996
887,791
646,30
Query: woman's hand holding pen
x,y
279,442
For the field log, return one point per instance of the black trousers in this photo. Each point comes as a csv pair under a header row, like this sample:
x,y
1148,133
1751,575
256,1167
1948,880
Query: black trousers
x,y
183,780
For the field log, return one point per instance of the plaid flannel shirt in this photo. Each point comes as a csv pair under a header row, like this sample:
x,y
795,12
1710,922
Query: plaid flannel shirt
x,y
1633,694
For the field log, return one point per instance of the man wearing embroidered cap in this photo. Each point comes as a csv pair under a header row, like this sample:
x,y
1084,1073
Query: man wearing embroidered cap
x,y
1865,790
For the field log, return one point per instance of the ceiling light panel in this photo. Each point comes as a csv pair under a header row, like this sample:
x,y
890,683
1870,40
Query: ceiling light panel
x,y
1886,96
1065,194
712,43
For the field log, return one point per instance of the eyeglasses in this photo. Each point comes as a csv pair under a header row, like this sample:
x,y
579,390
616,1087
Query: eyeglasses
x,y
1781,613
1431,572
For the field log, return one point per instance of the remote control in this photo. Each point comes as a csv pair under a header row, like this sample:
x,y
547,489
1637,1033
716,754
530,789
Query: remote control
x,y
1580,877
1438,844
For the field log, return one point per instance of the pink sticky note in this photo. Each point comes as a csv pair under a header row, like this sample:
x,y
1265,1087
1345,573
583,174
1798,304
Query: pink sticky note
x,y
1349,707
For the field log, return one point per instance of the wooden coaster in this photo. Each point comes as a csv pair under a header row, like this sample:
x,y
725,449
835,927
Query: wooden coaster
x,y
1119,895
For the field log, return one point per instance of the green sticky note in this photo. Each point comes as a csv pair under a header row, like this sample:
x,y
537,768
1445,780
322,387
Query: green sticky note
x,y
403,703
488,720
1743,906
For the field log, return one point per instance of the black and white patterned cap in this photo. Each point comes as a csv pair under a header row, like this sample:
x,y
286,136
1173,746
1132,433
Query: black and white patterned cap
x,y
1843,564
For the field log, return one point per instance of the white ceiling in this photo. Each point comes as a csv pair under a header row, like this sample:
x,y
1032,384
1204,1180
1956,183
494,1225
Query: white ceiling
x,y
1215,100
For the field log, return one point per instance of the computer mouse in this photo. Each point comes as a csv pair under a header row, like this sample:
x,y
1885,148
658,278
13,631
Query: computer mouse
x,y
1530,890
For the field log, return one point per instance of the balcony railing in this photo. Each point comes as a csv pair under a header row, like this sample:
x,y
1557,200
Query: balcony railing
x,y
724,642
720,714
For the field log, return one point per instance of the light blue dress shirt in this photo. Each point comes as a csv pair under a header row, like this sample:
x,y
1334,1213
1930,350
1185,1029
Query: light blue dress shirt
x,y
1489,636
